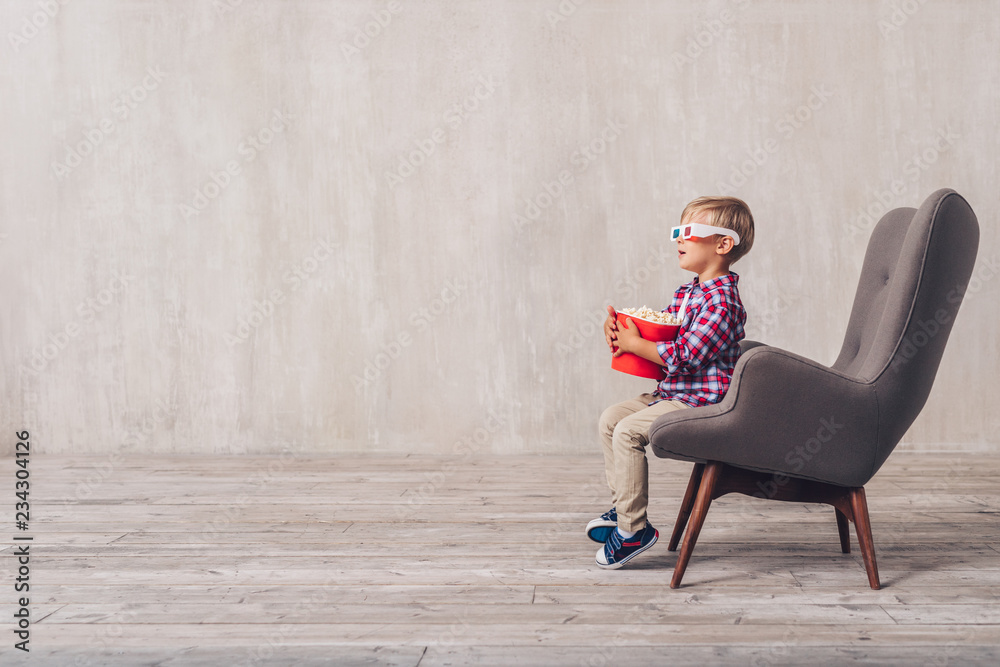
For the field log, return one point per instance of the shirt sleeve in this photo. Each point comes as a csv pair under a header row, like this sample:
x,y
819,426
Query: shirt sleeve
x,y
711,332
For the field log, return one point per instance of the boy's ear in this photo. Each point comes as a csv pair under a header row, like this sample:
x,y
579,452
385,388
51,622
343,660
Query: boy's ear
x,y
724,245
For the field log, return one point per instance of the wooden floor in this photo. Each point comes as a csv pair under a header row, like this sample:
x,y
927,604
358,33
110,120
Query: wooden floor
x,y
429,561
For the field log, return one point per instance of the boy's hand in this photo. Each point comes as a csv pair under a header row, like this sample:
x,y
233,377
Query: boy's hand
x,y
627,338
611,328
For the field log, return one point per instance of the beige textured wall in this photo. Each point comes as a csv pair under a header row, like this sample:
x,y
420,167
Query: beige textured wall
x,y
217,217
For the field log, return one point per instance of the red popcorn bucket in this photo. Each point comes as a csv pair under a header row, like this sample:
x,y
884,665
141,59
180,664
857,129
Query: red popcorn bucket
x,y
635,365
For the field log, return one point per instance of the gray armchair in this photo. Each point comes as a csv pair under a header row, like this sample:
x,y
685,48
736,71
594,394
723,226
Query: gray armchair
x,y
792,429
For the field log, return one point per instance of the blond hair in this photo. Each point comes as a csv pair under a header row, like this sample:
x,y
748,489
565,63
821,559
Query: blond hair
x,y
728,212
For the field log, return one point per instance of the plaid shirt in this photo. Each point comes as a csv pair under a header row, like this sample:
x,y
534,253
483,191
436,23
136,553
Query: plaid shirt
x,y
700,361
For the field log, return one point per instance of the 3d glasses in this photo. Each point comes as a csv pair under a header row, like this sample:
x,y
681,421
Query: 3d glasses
x,y
697,231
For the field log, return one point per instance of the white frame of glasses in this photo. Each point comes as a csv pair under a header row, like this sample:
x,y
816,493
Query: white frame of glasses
x,y
698,230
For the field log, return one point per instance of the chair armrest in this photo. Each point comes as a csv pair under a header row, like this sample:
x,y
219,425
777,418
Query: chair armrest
x,y
749,345
783,414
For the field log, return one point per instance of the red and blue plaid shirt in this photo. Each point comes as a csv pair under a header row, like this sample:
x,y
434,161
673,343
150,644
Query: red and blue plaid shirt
x,y
700,360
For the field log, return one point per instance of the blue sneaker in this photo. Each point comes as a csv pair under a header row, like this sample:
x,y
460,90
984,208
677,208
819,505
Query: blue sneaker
x,y
619,550
599,529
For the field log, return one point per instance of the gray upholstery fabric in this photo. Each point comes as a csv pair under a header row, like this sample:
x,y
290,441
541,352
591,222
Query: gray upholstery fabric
x,y
789,415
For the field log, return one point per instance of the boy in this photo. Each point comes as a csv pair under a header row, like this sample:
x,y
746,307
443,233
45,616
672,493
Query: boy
x,y
714,232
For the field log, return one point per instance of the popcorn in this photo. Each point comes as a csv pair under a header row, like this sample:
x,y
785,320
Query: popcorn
x,y
651,315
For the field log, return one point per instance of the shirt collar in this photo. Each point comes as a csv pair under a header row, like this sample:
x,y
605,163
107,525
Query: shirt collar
x,y
730,278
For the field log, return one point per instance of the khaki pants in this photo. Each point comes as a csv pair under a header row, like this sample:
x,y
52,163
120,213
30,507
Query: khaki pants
x,y
624,431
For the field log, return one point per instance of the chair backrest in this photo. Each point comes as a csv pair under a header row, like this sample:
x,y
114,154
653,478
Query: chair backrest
x,y
915,273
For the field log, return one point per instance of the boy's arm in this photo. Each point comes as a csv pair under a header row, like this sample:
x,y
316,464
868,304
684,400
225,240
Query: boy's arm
x,y
711,332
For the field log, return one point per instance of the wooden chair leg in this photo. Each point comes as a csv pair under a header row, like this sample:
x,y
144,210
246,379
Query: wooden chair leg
x,y
686,505
708,480
859,506
845,533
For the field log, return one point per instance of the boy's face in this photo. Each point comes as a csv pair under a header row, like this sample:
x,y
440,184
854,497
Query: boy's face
x,y
700,255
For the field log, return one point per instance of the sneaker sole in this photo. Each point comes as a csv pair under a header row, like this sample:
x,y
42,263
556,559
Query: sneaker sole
x,y
615,566
599,530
